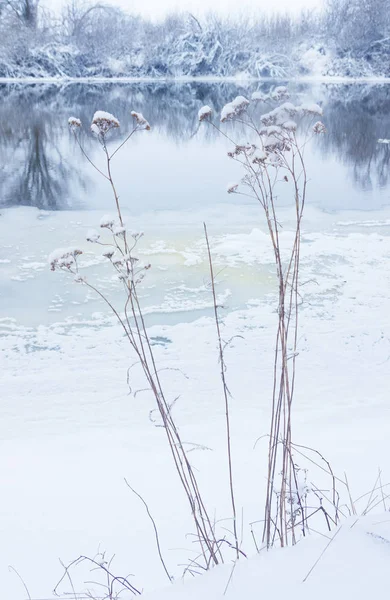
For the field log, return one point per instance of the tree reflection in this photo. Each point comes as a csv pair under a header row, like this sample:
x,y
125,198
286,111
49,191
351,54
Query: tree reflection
x,y
356,117
42,180
35,170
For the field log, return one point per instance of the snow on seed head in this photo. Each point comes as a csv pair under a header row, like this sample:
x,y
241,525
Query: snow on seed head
x,y
119,231
205,113
259,97
319,127
279,115
102,122
241,149
107,221
92,235
280,93
63,258
310,109
290,126
140,120
136,234
234,109
74,122
232,188
259,157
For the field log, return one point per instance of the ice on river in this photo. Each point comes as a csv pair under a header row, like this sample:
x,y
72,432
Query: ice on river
x,y
71,431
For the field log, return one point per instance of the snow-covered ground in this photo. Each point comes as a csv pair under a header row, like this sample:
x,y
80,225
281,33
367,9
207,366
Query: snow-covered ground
x,y
71,432
353,562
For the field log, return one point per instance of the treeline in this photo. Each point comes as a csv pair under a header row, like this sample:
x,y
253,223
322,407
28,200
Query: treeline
x,y
348,37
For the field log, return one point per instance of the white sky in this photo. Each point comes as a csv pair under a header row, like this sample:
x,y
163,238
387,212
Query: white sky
x,y
157,9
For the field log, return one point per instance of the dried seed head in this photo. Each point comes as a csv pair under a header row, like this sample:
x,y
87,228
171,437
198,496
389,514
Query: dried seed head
x,y
232,188
290,126
280,93
310,109
259,97
102,122
74,122
107,222
119,231
319,127
92,236
63,258
205,113
140,120
234,109
259,157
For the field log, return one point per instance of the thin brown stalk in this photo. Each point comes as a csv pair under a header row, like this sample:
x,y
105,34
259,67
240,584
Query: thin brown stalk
x,y
225,392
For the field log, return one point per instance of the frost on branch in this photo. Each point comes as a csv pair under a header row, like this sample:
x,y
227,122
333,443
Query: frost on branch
x,y
74,122
102,122
63,258
383,141
234,109
205,113
140,120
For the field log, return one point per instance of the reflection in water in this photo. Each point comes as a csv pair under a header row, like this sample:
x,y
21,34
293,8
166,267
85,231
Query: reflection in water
x,y
35,170
356,117
39,166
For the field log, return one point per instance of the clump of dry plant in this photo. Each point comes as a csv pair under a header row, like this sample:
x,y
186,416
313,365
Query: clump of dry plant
x,y
274,156
119,248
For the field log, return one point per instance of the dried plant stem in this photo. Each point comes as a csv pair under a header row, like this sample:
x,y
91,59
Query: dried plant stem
x,y
132,321
225,393
154,528
284,506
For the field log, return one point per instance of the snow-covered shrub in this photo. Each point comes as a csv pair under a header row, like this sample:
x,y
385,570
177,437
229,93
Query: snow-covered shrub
x,y
348,38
